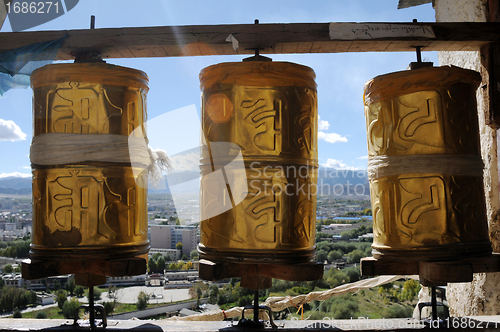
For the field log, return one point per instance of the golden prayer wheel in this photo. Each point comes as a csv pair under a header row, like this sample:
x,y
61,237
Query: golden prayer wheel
x,y
87,209
262,208
424,166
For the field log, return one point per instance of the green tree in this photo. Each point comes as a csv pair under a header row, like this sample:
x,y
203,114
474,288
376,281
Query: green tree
x,y
142,301
17,314
397,311
193,254
160,264
410,290
355,256
184,258
108,307
321,255
334,255
353,273
70,307
178,246
151,265
61,299
97,293
213,293
70,285
8,269
79,291
41,315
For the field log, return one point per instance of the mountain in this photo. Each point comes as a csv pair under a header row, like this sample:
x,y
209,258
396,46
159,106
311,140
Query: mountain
x,y
14,185
336,182
15,182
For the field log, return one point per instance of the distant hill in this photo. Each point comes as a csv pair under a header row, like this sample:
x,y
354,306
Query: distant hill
x,y
331,181
15,185
338,182
15,182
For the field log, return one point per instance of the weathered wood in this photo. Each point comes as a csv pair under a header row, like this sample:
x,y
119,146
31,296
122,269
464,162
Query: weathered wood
x,y
432,273
437,273
297,272
271,38
371,266
89,279
256,283
37,269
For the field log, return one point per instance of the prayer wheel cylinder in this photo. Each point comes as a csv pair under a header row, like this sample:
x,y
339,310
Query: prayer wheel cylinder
x,y
268,112
92,209
424,165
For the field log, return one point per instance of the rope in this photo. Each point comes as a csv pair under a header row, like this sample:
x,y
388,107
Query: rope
x,y
280,303
380,166
66,149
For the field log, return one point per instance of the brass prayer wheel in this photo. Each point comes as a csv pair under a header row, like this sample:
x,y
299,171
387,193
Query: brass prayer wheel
x,y
424,165
88,209
259,162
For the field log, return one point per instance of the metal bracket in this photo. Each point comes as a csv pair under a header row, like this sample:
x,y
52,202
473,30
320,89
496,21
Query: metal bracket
x,y
255,323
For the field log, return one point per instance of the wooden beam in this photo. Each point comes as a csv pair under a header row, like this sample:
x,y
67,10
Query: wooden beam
x,y
198,40
213,271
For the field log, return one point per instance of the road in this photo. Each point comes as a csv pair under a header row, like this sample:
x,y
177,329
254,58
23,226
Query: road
x,y
129,294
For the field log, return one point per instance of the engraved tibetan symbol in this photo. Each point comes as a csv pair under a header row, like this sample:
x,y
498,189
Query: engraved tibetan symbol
x,y
264,115
80,108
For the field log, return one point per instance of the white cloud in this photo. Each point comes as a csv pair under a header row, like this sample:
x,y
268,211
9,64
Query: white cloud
x,y
9,131
363,157
338,164
14,174
323,124
331,137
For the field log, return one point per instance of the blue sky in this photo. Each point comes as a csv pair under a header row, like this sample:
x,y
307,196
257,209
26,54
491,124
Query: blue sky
x,y
174,82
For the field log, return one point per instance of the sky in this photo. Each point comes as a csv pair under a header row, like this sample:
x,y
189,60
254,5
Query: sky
x,y
174,82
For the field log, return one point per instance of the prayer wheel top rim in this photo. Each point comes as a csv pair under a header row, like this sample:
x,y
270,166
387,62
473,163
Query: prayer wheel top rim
x,y
395,84
258,73
101,73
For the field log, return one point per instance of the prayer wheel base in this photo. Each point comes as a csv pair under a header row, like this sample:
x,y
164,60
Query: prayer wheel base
x,y
434,253
213,271
89,253
257,256
432,273
37,269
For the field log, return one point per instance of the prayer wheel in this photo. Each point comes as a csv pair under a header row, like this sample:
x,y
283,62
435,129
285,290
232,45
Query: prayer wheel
x,y
87,207
258,162
425,166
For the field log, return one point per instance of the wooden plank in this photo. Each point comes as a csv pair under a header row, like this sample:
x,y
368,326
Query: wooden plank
x,y
222,270
371,266
439,273
197,40
114,268
256,283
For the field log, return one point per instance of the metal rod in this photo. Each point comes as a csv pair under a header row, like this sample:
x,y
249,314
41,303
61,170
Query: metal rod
x,y
91,307
256,306
419,54
434,303
92,22
419,48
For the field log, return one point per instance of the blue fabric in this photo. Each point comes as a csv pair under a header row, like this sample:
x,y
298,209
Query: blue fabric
x,y
17,65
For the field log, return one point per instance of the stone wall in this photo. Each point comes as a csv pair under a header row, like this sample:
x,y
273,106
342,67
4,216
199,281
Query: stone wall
x,y
482,295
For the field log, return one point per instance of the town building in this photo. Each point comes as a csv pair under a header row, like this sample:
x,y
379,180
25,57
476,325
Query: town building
x,y
167,237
